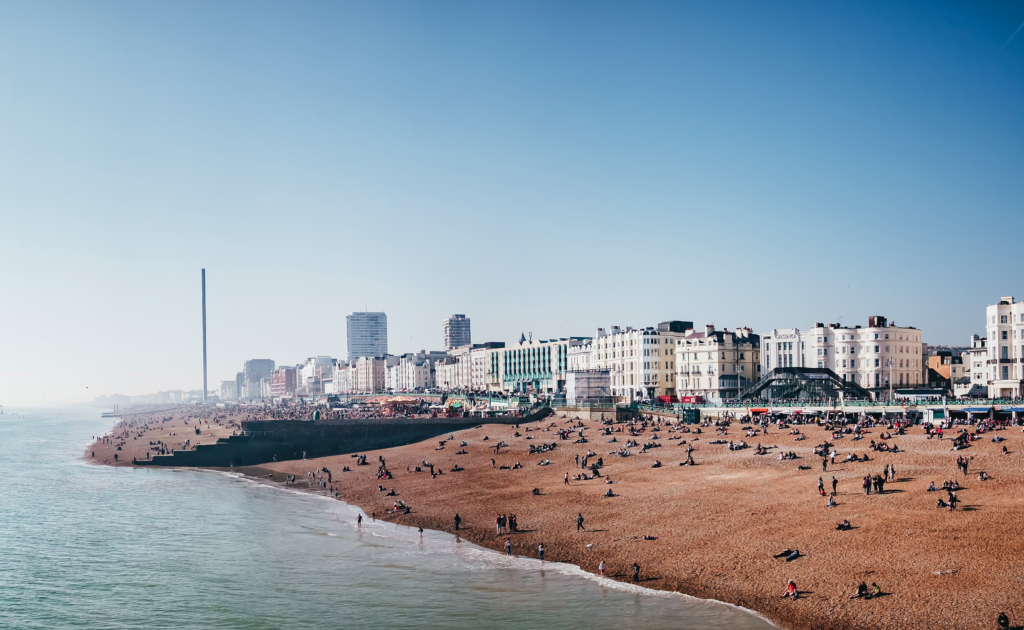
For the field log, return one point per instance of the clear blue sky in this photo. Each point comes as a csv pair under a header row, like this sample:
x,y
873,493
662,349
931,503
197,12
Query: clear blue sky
x,y
540,166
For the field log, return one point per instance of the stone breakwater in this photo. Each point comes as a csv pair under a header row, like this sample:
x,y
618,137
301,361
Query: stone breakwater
x,y
275,440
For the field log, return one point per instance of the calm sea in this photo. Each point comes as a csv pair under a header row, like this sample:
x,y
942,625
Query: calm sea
x,y
85,546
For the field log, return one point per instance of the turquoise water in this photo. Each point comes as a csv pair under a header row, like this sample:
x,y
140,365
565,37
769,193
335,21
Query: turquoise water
x,y
85,546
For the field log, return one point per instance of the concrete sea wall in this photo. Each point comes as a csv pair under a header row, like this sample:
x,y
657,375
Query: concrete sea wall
x,y
266,440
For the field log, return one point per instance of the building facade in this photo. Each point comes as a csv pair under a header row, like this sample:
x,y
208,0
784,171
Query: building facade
x,y
417,370
253,372
975,360
283,382
880,357
456,332
534,365
367,335
717,364
228,391
446,374
371,373
641,362
1004,327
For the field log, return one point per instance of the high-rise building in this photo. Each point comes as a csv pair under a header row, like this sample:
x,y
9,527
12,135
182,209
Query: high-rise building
x,y
254,371
367,335
456,332
227,390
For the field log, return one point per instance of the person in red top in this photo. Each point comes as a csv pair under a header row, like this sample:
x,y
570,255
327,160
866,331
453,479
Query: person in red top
x,y
791,590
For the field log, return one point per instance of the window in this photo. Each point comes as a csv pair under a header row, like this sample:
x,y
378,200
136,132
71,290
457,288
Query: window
x,y
886,335
853,364
1006,353
876,348
876,335
1004,334
876,365
1002,319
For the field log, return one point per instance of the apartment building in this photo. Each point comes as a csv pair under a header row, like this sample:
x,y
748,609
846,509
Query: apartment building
x,y
876,357
457,332
717,364
975,361
367,334
283,382
1004,328
640,361
371,373
531,365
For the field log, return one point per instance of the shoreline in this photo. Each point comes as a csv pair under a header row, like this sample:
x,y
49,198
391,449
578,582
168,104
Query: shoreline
x,y
573,569
716,526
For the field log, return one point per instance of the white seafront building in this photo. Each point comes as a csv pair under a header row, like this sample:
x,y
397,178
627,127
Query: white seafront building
x,y
879,357
717,364
641,361
1004,331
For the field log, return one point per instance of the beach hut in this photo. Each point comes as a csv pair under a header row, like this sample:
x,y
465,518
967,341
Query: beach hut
x,y
935,416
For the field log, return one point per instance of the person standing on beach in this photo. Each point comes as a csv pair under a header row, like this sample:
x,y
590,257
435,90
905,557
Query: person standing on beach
x,y
508,546
540,551
835,482
458,519
821,487
601,568
566,478
636,572
359,520
579,522
824,464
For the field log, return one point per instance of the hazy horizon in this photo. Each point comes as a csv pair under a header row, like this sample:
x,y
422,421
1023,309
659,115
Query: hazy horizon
x,y
540,167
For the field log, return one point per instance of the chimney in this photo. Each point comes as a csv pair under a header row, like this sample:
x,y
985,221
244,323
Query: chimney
x,y
708,329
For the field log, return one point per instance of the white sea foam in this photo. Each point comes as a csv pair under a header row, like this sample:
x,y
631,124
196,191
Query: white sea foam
x,y
485,559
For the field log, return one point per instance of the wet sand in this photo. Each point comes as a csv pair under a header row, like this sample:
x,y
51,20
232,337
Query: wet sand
x,y
717,524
